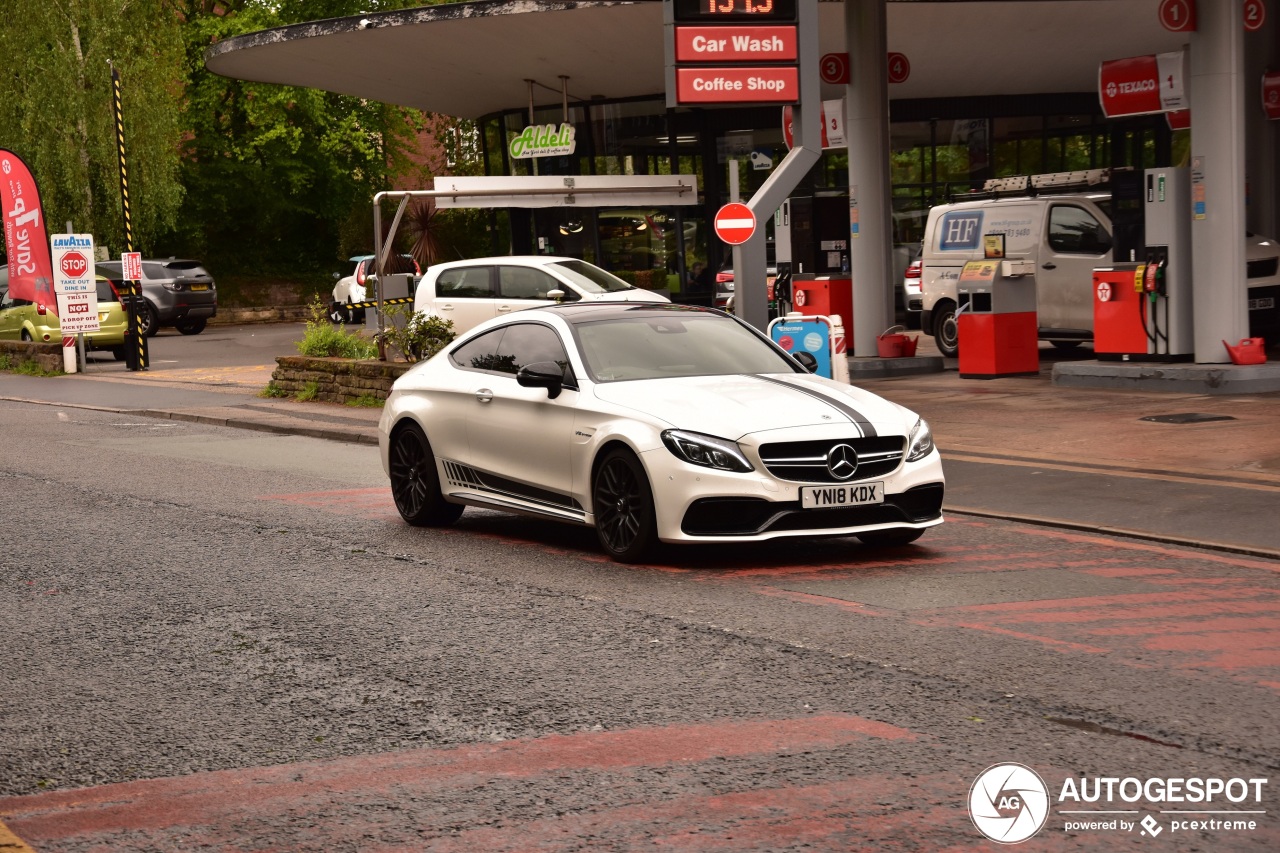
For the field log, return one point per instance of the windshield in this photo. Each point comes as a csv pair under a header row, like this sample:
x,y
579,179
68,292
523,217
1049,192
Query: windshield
x,y
672,345
590,278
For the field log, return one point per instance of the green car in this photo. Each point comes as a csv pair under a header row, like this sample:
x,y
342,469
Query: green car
x,y
21,320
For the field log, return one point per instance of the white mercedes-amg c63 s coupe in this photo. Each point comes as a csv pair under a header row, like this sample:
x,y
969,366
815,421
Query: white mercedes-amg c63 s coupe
x,y
653,422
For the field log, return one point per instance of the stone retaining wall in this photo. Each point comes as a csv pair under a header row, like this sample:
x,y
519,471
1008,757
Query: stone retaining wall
x,y
48,356
337,380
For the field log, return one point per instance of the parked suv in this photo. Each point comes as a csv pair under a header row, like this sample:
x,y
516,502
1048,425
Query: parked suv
x,y
176,293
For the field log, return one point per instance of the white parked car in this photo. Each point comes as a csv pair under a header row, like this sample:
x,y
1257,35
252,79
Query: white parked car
x,y
650,423
353,288
470,292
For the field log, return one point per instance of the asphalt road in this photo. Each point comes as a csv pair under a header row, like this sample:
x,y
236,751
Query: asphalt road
x,y
229,640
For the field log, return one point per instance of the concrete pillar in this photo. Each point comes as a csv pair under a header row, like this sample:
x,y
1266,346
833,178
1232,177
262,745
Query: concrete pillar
x,y
870,199
1218,176
1262,137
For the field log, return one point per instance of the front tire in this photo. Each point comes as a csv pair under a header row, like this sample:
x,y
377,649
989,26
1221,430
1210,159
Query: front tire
x,y
626,524
946,330
415,485
890,538
1065,345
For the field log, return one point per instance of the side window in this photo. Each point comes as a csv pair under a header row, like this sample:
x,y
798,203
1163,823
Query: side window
x,y
480,353
465,282
529,343
1073,230
525,283
154,271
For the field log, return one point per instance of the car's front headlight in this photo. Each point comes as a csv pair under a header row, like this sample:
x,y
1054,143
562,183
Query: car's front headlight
x,y
920,444
706,450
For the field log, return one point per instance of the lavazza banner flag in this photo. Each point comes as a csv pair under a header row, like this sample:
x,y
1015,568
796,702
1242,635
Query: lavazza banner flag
x,y
25,239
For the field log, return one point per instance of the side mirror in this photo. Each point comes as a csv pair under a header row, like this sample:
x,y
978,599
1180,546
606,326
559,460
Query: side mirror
x,y
337,276
542,374
807,360
557,295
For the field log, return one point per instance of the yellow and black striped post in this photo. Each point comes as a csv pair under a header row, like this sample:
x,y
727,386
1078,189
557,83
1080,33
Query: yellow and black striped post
x,y
137,356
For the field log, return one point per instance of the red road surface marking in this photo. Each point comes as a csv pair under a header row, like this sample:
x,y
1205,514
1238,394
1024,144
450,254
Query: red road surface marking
x,y
304,792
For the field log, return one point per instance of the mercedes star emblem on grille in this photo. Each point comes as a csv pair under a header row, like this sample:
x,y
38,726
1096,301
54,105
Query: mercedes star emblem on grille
x,y
842,461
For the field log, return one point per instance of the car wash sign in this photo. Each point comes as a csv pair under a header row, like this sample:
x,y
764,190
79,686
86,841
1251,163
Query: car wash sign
x,y
1141,85
732,52
543,140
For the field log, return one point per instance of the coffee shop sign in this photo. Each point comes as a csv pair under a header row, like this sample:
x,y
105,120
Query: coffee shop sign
x,y
543,140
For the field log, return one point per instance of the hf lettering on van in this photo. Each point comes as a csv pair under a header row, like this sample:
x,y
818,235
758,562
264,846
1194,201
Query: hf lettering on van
x,y
961,230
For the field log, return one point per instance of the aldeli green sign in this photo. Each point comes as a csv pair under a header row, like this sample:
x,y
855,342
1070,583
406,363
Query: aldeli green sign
x,y
543,140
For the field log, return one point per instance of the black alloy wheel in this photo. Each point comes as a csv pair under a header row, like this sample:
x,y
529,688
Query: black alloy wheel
x,y
414,482
191,327
890,538
946,330
625,521
148,320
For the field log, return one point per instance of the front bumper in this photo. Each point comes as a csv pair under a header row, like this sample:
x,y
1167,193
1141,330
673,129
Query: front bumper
x,y
695,504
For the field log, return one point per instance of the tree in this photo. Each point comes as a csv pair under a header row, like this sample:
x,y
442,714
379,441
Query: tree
x,y
55,109
273,172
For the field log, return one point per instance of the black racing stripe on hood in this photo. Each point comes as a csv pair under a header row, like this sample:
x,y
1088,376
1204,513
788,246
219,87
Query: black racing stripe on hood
x,y
864,425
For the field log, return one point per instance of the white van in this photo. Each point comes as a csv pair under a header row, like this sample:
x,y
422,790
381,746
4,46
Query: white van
x,y
1066,235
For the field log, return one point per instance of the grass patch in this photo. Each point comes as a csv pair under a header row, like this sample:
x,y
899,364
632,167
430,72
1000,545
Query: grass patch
x,y
24,366
273,390
309,392
367,401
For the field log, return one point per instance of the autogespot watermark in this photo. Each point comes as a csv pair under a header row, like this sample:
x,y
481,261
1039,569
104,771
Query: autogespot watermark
x,y
1010,803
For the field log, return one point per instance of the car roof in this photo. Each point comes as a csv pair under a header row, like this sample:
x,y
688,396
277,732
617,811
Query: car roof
x,y
521,260
587,312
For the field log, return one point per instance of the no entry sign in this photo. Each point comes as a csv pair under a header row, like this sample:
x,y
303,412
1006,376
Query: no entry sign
x,y
735,223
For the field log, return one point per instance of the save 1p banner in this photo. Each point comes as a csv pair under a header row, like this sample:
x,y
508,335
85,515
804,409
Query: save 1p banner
x,y
25,239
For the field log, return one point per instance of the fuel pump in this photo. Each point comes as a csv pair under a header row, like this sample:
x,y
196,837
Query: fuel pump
x,y
1142,310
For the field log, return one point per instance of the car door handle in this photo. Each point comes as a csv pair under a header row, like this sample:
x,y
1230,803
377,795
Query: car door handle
x,y
1050,266
484,395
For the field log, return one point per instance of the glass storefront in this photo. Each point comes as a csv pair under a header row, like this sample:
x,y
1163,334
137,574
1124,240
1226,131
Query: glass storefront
x,y
938,149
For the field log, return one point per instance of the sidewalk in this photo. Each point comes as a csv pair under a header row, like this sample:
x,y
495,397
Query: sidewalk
x,y
1017,448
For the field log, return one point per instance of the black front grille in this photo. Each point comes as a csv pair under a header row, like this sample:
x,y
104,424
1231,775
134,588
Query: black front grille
x,y
748,516
1264,268
806,461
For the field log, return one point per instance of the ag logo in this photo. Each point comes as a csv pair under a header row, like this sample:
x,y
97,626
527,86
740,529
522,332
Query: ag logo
x,y
1009,803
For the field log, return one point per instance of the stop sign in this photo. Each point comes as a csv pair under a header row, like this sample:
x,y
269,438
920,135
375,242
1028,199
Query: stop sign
x,y
74,264
735,223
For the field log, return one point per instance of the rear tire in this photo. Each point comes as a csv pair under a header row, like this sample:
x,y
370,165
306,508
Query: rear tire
x,y
1065,345
415,485
191,327
946,331
626,524
148,320
338,314
890,538
119,353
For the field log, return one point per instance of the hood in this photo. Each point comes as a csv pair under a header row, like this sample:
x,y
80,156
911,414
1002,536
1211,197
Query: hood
x,y
736,405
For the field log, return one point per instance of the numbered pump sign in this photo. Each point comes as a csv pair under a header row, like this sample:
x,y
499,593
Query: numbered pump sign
x,y
73,282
